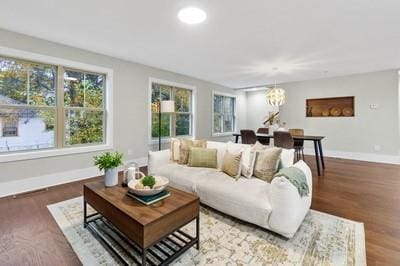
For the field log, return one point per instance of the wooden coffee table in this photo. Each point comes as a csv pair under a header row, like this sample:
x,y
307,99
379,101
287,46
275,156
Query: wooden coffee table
x,y
151,228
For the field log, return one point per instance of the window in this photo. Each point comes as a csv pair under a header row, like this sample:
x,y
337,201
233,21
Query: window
x,y
84,107
179,123
224,119
45,106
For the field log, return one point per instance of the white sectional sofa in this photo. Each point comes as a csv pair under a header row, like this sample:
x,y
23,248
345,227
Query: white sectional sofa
x,y
276,206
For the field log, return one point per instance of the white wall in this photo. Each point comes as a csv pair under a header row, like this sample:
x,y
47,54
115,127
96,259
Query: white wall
x,y
257,109
369,132
130,106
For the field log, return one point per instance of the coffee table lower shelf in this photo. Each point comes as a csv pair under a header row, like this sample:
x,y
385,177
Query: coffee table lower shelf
x,y
125,250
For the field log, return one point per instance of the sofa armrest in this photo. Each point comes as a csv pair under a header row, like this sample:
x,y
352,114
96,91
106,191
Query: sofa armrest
x,y
288,207
157,159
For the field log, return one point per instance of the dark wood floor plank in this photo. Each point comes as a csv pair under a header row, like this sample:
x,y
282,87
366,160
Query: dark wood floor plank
x,y
361,191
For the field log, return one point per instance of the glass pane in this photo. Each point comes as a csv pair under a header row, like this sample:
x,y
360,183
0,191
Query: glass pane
x,y
15,88
182,125
218,104
182,100
228,105
228,123
155,93
83,127
26,129
217,123
165,125
165,92
42,85
94,90
83,90
13,82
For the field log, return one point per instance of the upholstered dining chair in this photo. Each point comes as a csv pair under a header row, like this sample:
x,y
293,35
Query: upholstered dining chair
x,y
263,130
283,139
248,136
298,143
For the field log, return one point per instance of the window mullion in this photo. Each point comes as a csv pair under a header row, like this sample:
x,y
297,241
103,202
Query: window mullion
x,y
28,84
60,131
172,116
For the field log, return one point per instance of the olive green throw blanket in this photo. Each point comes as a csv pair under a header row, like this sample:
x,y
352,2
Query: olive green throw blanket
x,y
297,178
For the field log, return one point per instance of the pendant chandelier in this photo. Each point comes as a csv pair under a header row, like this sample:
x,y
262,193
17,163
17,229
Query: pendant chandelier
x,y
276,96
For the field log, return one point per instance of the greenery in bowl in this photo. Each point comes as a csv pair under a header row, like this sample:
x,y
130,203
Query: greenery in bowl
x,y
108,160
149,181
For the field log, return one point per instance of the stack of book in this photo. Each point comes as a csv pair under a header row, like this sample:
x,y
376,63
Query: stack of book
x,y
148,200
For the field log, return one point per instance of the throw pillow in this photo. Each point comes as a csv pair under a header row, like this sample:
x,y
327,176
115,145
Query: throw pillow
x,y
202,157
231,165
184,148
249,159
266,164
200,143
259,146
175,148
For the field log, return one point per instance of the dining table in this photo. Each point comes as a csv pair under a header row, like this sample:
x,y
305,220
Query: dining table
x,y
319,155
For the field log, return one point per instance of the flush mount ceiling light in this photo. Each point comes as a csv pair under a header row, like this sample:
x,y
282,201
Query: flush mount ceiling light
x,y
192,15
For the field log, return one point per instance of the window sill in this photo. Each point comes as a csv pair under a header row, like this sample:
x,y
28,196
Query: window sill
x,y
29,155
226,134
168,140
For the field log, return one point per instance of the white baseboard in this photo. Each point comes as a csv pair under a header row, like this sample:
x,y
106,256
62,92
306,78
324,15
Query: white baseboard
x,y
45,181
360,156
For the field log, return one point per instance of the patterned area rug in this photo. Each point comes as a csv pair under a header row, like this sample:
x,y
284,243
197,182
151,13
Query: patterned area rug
x,y
322,239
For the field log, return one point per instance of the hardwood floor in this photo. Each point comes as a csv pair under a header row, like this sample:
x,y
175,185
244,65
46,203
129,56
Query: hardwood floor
x,y
361,191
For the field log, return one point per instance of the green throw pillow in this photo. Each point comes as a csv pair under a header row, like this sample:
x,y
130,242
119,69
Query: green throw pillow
x,y
202,157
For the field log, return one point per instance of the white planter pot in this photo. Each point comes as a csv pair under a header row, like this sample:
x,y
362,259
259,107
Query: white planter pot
x,y
111,177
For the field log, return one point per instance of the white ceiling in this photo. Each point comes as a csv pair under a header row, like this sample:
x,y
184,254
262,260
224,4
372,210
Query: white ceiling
x,y
238,45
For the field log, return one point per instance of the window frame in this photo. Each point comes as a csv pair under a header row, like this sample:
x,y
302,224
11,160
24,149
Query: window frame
x,y
192,112
221,134
60,148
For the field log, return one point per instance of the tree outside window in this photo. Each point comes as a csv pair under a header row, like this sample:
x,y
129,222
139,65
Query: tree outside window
x,y
32,116
175,124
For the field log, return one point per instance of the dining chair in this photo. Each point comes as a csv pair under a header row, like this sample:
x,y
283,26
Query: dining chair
x,y
263,130
248,136
283,139
298,143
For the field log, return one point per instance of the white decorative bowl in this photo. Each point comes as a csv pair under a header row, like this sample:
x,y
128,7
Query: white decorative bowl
x,y
161,184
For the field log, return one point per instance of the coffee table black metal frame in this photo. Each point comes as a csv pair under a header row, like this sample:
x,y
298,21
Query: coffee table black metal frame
x,y
161,245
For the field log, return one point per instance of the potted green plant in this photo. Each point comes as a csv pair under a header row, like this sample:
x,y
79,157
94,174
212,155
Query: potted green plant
x,y
109,163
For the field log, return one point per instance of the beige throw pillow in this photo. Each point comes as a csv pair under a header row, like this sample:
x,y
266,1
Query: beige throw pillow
x,y
200,143
249,158
231,164
266,164
201,157
184,148
175,150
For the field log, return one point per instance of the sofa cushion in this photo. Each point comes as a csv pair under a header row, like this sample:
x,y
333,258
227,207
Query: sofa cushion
x,y
184,177
246,199
221,148
237,147
287,157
